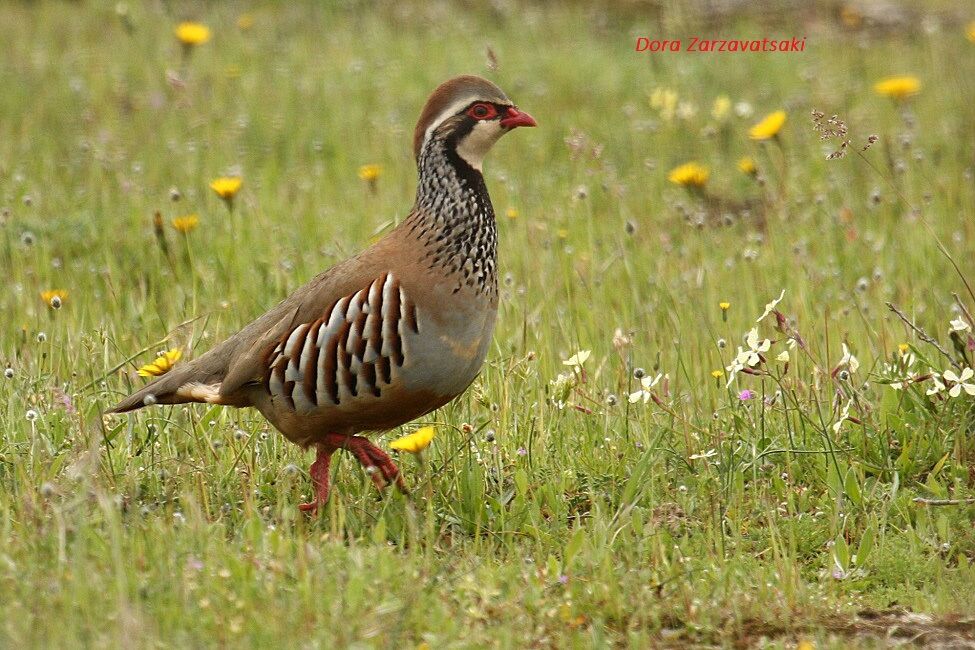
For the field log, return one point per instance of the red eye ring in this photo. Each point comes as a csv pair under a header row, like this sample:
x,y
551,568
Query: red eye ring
x,y
482,111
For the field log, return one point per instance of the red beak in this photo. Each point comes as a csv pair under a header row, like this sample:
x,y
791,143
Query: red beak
x,y
514,118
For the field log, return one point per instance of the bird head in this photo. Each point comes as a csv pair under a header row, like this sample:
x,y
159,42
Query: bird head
x,y
469,114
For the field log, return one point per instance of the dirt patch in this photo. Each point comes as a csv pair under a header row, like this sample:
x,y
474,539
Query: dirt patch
x,y
872,628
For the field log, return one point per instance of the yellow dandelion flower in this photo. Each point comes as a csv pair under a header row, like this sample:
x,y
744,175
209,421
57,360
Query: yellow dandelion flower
x,y
900,88
970,31
226,187
563,233
903,348
690,174
186,224
511,213
163,364
769,127
54,297
747,166
370,173
724,305
245,22
414,442
720,108
717,374
192,34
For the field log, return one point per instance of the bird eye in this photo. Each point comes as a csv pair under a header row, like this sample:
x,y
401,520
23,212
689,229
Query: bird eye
x,y
482,111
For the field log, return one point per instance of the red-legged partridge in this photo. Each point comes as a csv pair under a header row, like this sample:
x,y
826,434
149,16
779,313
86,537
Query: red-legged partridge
x,y
389,335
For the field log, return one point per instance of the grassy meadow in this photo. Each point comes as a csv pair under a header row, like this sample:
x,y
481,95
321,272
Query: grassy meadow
x,y
634,466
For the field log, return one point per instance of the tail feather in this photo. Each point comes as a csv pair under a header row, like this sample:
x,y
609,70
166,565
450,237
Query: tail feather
x,y
195,381
164,390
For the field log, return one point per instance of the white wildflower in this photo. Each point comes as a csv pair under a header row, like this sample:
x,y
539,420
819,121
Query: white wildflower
x,y
848,361
644,393
843,417
961,382
937,385
959,325
770,306
577,359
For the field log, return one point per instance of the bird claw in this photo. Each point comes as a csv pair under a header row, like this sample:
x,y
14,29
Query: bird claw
x,y
377,463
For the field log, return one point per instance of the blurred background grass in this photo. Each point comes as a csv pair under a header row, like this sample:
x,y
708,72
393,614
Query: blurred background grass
x,y
560,513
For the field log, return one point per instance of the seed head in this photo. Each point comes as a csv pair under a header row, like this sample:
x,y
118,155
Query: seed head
x,y
291,469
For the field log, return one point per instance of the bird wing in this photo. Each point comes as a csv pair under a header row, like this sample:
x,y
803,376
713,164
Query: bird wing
x,y
353,348
219,375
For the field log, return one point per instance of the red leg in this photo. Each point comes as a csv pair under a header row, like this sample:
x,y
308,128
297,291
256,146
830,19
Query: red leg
x,y
319,477
377,462
385,464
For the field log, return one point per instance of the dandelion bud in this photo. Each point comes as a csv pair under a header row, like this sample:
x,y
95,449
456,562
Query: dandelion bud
x,y
41,337
722,344
639,373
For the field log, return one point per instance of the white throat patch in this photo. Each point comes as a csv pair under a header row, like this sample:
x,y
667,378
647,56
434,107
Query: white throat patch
x,y
475,145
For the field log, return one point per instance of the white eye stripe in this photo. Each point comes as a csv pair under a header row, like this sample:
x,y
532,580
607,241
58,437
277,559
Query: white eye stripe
x,y
447,113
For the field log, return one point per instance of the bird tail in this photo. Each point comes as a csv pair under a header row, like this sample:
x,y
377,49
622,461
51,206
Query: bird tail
x,y
191,382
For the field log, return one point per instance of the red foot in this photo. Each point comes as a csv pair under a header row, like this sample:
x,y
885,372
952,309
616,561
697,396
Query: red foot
x,y
380,467
377,462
